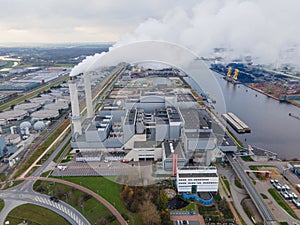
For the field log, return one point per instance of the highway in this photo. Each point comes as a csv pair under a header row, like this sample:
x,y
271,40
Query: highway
x,y
266,214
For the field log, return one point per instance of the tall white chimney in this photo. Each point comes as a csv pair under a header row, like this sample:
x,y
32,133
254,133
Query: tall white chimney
x,y
76,117
88,95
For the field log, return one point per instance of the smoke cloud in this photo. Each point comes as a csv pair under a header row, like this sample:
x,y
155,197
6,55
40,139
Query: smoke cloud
x,y
267,30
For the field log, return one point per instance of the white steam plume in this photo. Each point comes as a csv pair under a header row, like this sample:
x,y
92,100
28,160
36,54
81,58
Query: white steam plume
x,y
262,29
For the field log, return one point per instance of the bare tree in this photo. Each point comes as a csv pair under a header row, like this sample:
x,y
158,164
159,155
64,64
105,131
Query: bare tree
x,y
149,213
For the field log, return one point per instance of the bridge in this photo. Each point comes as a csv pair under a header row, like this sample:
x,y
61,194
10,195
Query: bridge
x,y
263,209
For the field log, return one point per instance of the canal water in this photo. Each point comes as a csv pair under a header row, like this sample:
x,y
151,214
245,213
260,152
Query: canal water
x,y
271,126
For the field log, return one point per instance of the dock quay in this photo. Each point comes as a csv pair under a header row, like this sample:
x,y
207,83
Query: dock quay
x,y
236,123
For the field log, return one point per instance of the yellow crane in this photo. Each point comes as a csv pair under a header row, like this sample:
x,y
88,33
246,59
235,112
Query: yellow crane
x,y
229,71
236,73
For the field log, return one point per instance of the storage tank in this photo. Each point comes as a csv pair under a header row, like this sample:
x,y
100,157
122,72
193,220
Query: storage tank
x,y
39,125
24,127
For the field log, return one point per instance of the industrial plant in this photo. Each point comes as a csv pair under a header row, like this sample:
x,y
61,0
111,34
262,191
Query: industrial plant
x,y
148,115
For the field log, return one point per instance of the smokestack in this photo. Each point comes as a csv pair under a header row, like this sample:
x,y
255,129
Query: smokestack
x,y
88,95
76,117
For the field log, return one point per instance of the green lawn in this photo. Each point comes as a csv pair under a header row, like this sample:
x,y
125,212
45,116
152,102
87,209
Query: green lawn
x,y
1,204
109,190
238,183
282,202
247,158
253,167
189,207
35,214
8,64
226,182
263,196
284,223
92,209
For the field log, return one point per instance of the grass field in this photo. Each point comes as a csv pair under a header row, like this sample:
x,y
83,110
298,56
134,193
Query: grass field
x,y
263,196
284,223
277,197
257,167
109,190
88,206
1,204
35,214
226,182
8,64
247,158
238,183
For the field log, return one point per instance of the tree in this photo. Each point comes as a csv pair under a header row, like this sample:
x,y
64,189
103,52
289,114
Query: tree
x,y
149,213
59,191
162,200
102,221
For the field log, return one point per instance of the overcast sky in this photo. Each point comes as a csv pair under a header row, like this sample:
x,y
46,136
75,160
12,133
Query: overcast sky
x,y
77,20
262,28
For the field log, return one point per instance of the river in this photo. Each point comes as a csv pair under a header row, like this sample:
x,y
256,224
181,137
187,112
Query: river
x,y
271,126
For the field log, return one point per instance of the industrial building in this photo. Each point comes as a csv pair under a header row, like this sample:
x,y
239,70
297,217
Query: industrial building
x,y
10,116
294,167
29,107
197,179
44,114
149,119
2,145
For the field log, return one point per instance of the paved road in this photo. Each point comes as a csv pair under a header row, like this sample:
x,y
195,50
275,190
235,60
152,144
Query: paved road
x,y
263,186
281,165
237,195
15,198
262,208
23,193
110,207
280,213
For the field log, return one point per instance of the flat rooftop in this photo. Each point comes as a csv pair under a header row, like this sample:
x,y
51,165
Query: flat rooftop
x,y
176,146
227,141
295,163
199,134
185,98
144,144
131,116
185,175
193,119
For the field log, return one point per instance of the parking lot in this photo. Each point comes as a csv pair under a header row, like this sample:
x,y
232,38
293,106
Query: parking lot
x,y
286,192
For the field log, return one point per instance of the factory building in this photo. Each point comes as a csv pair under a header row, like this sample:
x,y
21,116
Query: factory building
x,y
154,122
197,179
29,107
169,150
8,117
2,145
294,167
44,114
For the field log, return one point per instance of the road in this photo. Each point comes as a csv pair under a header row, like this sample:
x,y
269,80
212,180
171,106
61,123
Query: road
x,y
14,198
281,165
265,212
236,195
110,207
263,187
23,193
